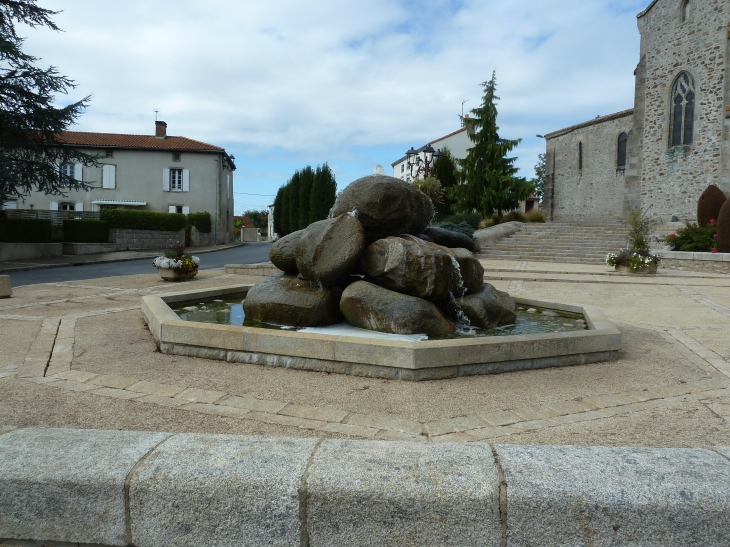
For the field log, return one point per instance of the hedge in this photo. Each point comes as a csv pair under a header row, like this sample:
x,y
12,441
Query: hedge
x,y
25,230
143,220
85,231
201,221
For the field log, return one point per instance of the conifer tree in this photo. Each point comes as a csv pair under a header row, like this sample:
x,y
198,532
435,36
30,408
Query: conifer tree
x,y
278,212
324,193
305,198
446,171
31,147
489,178
305,192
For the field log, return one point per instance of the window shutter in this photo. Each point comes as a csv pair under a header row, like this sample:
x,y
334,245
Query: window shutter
x,y
186,180
171,209
108,177
79,207
165,180
95,207
186,210
78,171
54,206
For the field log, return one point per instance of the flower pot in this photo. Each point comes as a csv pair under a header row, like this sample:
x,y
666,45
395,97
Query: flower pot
x,y
648,269
168,274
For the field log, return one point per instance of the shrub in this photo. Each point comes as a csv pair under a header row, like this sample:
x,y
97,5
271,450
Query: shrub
x,y
85,231
534,216
143,220
640,225
25,230
461,227
514,216
3,214
201,221
472,219
693,238
709,205
486,223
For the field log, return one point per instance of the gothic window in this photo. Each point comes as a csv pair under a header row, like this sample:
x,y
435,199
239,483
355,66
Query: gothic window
x,y
683,110
580,157
685,10
621,152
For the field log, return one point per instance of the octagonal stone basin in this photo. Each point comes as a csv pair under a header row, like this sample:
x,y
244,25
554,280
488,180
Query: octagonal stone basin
x,y
377,358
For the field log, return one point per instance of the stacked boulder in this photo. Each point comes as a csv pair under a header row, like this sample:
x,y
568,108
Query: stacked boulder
x,y
375,263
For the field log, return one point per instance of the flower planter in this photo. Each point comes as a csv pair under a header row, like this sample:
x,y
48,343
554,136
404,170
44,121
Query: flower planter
x,y
168,274
648,269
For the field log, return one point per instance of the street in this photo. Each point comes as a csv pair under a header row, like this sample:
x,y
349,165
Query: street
x,y
250,253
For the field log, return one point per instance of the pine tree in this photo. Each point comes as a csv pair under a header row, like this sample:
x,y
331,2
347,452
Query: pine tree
x,y
324,193
489,178
31,147
306,182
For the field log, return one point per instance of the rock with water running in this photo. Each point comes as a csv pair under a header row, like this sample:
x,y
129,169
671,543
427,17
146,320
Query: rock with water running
x,y
485,309
470,269
329,249
288,300
371,307
451,239
385,206
410,266
283,252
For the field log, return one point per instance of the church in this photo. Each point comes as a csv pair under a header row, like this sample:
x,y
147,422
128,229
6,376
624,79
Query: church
x,y
660,155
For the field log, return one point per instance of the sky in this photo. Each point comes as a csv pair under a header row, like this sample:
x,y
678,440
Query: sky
x,y
283,84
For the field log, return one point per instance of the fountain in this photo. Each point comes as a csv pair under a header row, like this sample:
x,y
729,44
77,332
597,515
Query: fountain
x,y
374,264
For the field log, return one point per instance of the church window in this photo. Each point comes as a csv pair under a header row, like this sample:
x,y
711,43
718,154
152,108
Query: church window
x,y
580,157
685,10
683,110
621,152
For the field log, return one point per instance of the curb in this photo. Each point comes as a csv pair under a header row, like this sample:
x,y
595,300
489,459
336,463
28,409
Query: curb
x,y
150,488
91,262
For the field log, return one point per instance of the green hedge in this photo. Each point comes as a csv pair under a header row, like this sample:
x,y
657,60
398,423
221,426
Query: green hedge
x,y
143,220
201,221
25,230
85,231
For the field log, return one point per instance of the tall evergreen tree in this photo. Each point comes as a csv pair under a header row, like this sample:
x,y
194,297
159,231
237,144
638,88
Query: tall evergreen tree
x,y
305,192
540,176
31,145
446,171
305,198
324,193
278,209
489,178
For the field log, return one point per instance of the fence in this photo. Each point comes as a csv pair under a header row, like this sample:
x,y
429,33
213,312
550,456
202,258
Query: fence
x,y
56,217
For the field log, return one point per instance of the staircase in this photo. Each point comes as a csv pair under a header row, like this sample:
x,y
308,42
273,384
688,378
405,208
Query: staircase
x,y
560,242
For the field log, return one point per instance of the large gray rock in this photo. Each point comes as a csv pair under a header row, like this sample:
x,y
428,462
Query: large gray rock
x,y
330,248
451,239
283,252
489,236
287,300
385,206
368,306
470,269
410,266
485,309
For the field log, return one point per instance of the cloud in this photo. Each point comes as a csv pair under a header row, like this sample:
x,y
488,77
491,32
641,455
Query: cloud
x,y
281,81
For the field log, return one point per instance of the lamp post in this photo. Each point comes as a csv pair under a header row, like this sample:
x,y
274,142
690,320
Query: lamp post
x,y
422,166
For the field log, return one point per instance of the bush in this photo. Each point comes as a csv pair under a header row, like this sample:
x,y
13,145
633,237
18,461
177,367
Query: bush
x,y
692,238
143,220
514,216
461,227
201,221
25,230
85,231
534,216
472,219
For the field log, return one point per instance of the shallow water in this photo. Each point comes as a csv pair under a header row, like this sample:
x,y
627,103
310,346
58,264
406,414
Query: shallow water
x,y
229,311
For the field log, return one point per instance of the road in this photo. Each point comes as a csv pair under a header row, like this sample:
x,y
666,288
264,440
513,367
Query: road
x,y
250,253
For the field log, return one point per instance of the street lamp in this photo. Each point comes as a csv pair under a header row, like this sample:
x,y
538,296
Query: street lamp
x,y
422,166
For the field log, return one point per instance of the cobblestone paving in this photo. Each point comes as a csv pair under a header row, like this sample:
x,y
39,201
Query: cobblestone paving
x,y
701,374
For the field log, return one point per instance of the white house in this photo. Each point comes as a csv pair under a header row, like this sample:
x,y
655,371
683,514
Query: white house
x,y
147,172
457,142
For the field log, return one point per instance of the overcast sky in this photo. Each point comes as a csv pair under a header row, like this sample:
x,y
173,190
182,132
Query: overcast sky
x,y
285,84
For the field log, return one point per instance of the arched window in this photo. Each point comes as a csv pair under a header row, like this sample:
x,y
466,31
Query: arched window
x,y
621,152
580,157
683,110
685,10
66,207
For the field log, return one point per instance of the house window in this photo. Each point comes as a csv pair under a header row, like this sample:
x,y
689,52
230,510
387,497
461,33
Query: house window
x,y
402,167
683,110
621,152
67,169
110,153
176,156
580,157
66,207
176,179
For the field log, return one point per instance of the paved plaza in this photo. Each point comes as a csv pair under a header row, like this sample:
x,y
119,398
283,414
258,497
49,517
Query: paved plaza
x,y
78,354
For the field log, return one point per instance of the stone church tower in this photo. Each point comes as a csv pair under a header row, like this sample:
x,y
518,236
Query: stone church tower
x,y
675,142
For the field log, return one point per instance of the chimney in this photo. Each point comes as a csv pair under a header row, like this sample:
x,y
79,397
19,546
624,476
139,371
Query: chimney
x,y
160,130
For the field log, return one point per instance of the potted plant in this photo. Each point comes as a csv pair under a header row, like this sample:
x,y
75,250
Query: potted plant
x,y
176,264
637,258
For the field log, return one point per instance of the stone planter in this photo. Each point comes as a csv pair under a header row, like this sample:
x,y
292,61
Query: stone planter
x,y
648,269
168,274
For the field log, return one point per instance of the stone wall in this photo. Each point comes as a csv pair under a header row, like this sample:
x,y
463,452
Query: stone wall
x,y
142,240
595,192
700,262
673,179
199,239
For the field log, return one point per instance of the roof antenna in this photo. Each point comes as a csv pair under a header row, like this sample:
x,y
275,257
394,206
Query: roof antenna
x,y
156,111
462,111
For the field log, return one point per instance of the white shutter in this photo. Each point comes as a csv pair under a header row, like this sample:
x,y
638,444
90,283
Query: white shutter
x,y
95,207
186,210
165,180
79,207
108,176
79,172
54,206
171,208
186,180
